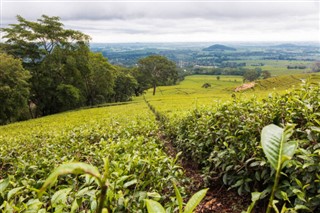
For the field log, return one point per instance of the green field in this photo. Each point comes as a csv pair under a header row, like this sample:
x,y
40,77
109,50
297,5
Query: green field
x,y
189,94
127,135
276,67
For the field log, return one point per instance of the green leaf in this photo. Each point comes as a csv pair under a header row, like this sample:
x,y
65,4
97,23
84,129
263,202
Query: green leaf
x,y
130,183
195,200
74,206
70,168
275,146
156,196
301,207
60,197
33,205
154,206
14,191
178,196
106,169
255,196
3,185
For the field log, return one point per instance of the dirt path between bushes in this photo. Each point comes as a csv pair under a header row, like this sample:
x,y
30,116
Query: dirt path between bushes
x,y
218,198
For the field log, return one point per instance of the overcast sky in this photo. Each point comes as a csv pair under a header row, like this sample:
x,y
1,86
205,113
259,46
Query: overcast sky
x,y
177,21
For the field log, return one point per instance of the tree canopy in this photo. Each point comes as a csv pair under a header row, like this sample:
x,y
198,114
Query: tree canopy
x,y
64,74
32,41
14,88
251,75
156,70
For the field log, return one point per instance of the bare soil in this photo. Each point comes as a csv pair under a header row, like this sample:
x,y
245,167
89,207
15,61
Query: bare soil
x,y
245,86
218,198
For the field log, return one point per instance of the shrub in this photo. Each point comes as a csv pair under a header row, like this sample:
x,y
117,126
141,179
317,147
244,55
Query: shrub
x,y
226,144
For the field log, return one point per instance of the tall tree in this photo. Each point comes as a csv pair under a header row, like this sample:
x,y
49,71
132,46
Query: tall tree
x,y
156,70
14,88
125,85
32,41
315,67
48,52
251,75
99,79
265,74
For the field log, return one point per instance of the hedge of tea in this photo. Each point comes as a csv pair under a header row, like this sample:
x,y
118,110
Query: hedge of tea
x,y
139,168
225,143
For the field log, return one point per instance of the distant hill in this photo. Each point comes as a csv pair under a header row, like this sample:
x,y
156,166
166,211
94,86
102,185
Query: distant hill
x,y
219,47
287,45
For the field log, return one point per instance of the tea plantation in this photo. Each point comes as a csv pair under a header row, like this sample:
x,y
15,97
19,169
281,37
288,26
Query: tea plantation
x,y
215,128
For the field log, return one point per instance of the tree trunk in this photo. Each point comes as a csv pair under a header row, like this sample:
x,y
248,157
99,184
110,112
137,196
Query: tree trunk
x,y
30,109
154,89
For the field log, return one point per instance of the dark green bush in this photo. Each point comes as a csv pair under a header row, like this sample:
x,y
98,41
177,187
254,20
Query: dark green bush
x,y
226,144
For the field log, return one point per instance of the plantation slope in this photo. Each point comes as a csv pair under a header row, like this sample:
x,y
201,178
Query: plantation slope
x,y
190,94
126,134
285,82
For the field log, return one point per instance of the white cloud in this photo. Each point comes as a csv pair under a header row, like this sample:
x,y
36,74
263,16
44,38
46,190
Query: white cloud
x,y
183,21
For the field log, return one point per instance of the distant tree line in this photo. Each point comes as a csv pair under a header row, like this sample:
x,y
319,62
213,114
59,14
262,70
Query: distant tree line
x,y
296,67
47,69
247,73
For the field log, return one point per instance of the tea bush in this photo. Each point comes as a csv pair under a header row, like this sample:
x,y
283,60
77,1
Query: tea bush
x,y
139,168
225,142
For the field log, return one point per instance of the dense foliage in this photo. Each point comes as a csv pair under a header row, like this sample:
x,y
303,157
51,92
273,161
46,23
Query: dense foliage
x,y
225,142
126,134
66,75
156,70
14,88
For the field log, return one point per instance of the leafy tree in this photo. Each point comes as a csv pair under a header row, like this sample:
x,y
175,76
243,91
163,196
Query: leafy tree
x,y
316,67
62,67
265,74
251,75
99,79
68,96
156,70
125,85
14,88
32,41
54,56
206,85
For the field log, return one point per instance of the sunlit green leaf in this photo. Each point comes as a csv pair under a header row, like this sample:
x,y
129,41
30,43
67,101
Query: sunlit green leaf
x,y
60,197
154,206
195,200
70,168
14,191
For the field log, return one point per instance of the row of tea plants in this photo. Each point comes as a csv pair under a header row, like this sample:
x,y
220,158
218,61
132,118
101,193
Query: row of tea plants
x,y
225,142
125,135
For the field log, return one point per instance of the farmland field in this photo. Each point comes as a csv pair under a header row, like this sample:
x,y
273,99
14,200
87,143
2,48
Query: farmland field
x,y
128,137
278,67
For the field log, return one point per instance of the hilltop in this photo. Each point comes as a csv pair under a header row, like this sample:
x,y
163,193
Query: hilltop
x,y
219,47
286,45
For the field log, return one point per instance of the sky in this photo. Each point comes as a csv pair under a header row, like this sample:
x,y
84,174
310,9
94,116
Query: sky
x,y
177,20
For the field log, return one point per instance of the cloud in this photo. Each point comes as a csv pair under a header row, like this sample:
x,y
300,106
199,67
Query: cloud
x,y
142,21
